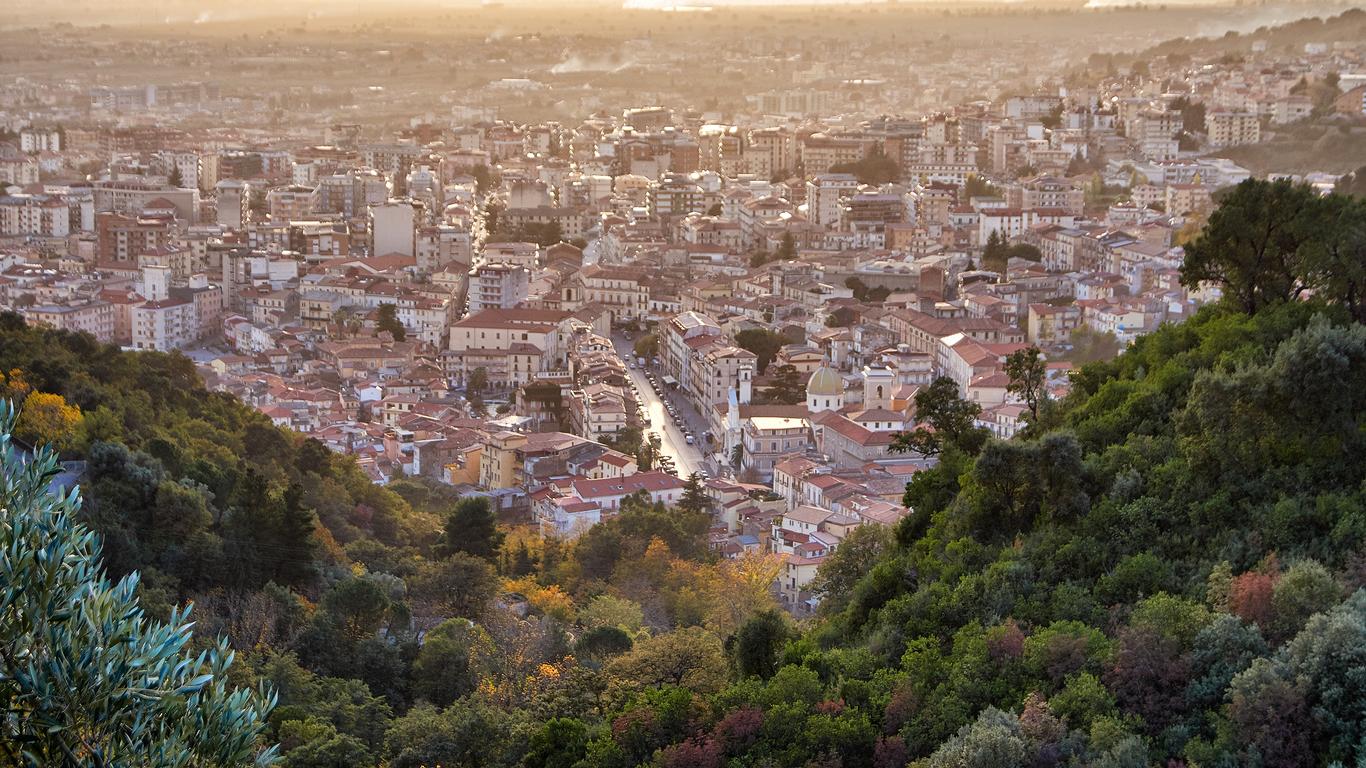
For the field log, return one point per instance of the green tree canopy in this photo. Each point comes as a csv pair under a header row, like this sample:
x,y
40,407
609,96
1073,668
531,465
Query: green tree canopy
x,y
763,343
943,418
472,528
74,647
388,321
1254,244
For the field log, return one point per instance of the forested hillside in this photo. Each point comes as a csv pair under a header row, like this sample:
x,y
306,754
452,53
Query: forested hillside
x,y
1165,569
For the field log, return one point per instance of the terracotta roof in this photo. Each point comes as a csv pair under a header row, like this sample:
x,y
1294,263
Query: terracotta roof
x,y
622,486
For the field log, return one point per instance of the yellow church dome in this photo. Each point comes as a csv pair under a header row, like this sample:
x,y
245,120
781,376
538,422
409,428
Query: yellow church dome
x,y
825,381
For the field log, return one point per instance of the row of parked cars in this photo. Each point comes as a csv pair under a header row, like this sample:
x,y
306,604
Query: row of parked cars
x,y
669,408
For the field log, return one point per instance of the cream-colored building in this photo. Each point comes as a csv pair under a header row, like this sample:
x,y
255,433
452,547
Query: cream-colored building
x,y
766,439
93,317
1228,129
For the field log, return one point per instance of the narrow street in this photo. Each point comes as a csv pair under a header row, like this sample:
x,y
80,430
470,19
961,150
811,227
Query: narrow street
x,y
687,458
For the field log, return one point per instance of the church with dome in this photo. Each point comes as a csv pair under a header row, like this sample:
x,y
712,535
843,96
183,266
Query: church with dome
x,y
824,390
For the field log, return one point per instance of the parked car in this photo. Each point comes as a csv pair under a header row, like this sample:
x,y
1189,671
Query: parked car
x,y
688,439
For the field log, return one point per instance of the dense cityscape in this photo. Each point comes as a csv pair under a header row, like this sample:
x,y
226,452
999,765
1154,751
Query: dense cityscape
x,y
874,385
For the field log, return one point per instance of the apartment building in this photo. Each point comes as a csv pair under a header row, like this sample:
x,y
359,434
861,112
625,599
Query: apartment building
x,y
573,222
393,227
510,344
674,337
93,316
718,370
825,195
619,289
498,285
1048,324
133,197
442,245
120,239
36,215
675,195
820,152
1049,192
232,203
165,324
765,440
292,203
1228,129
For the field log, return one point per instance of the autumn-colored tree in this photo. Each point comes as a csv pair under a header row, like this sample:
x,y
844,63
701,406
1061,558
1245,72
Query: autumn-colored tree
x,y
691,658
744,588
546,600
47,419
697,752
44,418
13,386
1250,595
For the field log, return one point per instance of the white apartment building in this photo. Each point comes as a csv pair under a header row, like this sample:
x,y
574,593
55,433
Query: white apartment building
x,y
824,195
498,285
42,215
35,140
232,203
164,325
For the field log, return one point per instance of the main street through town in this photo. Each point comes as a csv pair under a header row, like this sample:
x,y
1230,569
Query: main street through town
x,y
687,458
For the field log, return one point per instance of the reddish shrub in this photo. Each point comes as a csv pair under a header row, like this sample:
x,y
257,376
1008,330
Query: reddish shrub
x,y
902,706
1249,596
829,707
1149,676
739,729
1006,641
634,722
890,752
699,752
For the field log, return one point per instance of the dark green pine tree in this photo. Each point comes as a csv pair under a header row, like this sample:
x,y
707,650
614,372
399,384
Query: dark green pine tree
x,y
472,528
694,495
294,563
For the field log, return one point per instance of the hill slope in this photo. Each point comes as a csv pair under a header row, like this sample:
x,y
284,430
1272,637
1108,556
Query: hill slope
x,y
1167,569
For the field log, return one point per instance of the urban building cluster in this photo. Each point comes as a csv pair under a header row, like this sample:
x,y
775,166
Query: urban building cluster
x,y
562,315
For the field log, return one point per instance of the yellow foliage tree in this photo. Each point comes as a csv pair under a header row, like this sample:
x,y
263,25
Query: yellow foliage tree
x,y
719,595
44,418
13,387
550,601
747,584
47,419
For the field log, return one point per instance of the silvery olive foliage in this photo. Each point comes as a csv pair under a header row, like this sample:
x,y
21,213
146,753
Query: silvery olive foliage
x,y
86,679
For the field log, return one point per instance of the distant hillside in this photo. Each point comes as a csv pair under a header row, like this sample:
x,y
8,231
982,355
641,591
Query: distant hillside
x,y
1320,145
1348,26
